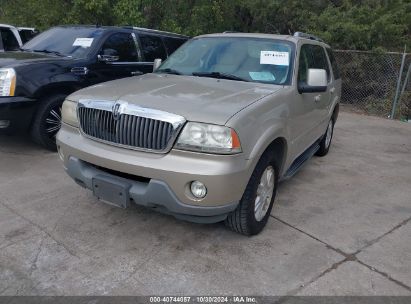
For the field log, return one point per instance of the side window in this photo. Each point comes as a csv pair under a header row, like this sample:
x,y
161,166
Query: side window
x,y
10,42
1,43
27,35
312,57
172,44
121,45
152,47
334,65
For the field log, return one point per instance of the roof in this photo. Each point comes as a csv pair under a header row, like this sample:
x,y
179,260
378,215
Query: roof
x,y
140,29
7,25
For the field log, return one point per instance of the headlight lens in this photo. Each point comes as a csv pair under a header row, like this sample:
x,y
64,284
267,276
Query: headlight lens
x,y
209,139
7,82
69,113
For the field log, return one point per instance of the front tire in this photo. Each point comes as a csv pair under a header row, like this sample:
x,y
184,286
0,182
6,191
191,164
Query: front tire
x,y
47,122
251,215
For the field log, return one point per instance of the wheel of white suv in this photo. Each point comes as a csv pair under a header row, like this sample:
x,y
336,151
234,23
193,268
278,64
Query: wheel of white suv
x,y
325,142
255,206
47,122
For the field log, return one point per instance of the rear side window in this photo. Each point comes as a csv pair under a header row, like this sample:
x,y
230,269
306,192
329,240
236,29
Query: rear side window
x,y
172,44
334,65
312,57
121,45
152,47
10,42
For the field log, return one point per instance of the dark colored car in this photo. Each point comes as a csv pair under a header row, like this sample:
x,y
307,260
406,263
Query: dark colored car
x,y
64,59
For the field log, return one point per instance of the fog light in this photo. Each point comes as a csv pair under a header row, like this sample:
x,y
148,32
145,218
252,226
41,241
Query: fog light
x,y
198,189
4,124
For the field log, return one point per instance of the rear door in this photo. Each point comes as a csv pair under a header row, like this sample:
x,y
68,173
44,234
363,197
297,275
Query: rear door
x,y
152,47
172,44
335,85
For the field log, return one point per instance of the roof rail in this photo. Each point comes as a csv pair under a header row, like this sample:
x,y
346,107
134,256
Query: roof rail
x,y
156,31
307,36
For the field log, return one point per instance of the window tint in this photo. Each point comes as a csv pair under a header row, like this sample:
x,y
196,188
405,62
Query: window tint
x,y
312,57
27,35
10,42
172,44
152,47
62,40
334,65
121,44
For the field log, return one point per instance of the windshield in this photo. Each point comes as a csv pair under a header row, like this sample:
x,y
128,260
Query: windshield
x,y
66,41
236,58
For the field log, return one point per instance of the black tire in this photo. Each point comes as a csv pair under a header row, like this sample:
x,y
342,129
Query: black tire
x,y
43,131
324,147
243,219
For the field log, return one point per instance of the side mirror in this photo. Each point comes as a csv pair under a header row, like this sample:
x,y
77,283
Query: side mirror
x,y
156,65
108,55
316,82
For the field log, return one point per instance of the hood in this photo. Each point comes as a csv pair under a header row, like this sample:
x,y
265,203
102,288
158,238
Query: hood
x,y
196,98
13,59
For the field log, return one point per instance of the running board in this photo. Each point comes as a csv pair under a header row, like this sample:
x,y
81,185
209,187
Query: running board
x,y
300,161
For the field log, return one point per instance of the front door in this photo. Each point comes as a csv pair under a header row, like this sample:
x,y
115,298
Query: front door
x,y
305,106
124,62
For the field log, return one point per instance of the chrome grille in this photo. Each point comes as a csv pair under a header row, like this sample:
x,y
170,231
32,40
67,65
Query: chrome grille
x,y
128,130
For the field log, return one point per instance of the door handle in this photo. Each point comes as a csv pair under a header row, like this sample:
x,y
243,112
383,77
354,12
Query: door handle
x,y
317,98
136,73
332,90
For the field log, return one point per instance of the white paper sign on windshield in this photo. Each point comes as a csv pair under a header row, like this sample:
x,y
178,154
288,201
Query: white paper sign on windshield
x,y
274,57
83,42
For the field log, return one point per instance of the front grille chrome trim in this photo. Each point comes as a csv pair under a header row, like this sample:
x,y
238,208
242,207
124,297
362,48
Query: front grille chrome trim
x,y
131,119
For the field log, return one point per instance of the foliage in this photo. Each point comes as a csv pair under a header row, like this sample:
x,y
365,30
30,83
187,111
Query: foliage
x,y
346,24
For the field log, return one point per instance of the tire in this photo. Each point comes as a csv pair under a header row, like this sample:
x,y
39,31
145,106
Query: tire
x,y
244,219
47,122
325,142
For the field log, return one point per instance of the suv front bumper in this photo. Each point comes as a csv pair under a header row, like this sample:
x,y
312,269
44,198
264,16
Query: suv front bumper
x,y
17,112
168,175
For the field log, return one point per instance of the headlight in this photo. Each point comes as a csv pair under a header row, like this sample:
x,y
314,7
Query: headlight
x,y
69,113
7,82
209,138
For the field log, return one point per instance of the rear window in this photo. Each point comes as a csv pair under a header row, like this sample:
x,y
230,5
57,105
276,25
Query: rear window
x,y
172,44
152,47
334,65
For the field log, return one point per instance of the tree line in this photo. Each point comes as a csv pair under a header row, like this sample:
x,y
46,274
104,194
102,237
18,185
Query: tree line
x,y
345,24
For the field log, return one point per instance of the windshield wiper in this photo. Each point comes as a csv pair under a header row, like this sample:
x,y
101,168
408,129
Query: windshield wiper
x,y
47,52
169,71
219,75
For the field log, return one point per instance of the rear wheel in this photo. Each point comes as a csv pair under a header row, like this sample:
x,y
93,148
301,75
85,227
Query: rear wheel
x,y
254,209
325,142
47,122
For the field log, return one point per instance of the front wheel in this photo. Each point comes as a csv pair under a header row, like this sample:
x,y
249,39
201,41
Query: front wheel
x,y
255,206
47,122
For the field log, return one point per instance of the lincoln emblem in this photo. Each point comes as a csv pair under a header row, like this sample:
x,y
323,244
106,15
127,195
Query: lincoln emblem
x,y
116,111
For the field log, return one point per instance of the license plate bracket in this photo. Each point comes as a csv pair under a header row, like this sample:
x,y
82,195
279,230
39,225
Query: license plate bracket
x,y
111,191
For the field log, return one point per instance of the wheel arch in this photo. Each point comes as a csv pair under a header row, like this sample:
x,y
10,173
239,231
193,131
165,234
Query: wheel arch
x,y
335,112
56,88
